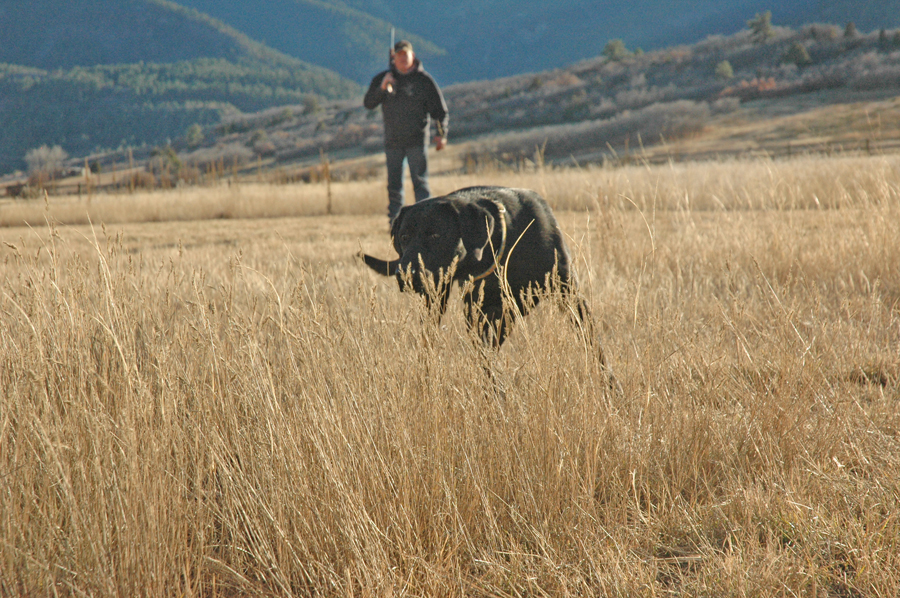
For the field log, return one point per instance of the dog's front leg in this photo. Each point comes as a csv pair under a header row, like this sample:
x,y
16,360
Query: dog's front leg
x,y
491,322
436,303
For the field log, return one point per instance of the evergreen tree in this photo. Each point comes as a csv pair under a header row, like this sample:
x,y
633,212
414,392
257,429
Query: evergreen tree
x,y
194,135
615,49
311,104
797,54
761,29
724,71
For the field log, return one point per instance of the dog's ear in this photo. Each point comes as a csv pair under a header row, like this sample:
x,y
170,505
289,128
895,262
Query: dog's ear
x,y
476,225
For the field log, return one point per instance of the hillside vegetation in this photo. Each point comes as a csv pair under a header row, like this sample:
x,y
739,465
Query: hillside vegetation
x,y
675,103
488,39
461,41
58,36
332,34
107,74
87,109
259,111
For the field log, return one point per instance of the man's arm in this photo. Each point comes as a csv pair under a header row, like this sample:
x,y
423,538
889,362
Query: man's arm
x,y
376,93
437,109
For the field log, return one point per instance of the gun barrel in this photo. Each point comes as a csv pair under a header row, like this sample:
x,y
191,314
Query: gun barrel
x,y
390,88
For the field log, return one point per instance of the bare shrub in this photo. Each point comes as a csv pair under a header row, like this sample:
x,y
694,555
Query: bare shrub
x,y
564,79
663,120
873,70
227,154
46,161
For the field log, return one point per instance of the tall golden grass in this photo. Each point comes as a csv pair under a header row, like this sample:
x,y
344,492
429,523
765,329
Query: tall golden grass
x,y
238,407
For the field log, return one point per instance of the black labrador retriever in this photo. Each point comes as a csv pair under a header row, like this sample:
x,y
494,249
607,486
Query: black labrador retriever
x,y
497,243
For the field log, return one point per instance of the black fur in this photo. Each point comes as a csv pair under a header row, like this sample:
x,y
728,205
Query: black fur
x,y
456,237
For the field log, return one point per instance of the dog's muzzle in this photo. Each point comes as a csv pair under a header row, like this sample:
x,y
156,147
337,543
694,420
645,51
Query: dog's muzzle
x,y
422,280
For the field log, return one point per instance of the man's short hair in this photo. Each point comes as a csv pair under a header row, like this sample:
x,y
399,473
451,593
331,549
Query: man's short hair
x,y
403,46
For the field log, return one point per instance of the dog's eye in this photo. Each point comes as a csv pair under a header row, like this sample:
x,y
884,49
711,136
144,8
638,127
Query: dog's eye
x,y
404,239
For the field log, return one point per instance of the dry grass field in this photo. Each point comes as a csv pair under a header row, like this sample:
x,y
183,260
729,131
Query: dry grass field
x,y
204,393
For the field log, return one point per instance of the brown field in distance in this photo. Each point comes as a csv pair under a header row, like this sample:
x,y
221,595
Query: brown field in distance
x,y
205,393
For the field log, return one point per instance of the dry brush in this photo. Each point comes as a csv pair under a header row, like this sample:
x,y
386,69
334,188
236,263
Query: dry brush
x,y
254,413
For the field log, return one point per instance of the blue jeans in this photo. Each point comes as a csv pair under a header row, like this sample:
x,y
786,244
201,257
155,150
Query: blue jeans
x,y
417,158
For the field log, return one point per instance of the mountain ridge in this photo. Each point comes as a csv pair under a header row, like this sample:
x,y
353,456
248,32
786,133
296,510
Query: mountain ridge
x,y
496,38
96,74
48,36
165,67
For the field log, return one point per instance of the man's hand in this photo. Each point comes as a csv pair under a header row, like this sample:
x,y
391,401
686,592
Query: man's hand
x,y
387,84
440,142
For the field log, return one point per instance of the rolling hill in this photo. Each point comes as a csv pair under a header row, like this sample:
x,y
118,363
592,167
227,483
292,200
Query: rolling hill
x,y
347,40
725,96
97,74
488,39
51,35
92,76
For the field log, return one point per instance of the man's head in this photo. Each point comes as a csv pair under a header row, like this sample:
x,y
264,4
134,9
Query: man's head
x,y
404,58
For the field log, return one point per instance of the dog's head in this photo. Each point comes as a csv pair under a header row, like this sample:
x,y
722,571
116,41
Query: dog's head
x,y
440,239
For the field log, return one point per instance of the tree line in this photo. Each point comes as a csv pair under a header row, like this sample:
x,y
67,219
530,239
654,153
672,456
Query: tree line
x,y
84,109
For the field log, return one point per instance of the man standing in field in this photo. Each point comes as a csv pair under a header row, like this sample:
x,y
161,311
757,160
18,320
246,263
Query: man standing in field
x,y
409,99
